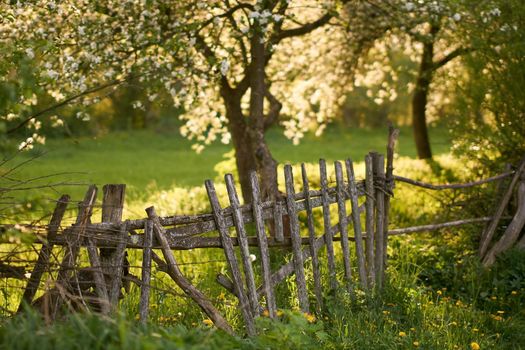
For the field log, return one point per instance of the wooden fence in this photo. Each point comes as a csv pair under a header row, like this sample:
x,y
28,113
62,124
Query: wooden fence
x,y
368,201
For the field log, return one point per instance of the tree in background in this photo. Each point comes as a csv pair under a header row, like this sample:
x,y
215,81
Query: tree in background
x,y
489,122
234,67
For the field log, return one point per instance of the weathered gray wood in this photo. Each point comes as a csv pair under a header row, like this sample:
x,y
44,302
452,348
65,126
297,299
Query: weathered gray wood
x,y
343,224
370,212
118,263
243,244
98,277
75,236
512,233
262,241
487,235
327,224
230,256
111,258
379,183
311,235
452,186
146,272
300,279
190,225
278,221
356,220
45,252
393,134
175,273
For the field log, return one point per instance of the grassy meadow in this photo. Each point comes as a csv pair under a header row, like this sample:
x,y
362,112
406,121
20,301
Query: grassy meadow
x,y
437,297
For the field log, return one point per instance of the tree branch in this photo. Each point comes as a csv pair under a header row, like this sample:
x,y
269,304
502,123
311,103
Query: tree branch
x,y
304,29
457,52
67,101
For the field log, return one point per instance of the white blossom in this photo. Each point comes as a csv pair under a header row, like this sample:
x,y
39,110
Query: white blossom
x,y
225,67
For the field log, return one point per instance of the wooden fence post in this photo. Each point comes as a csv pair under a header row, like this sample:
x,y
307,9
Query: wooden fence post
x,y
379,182
112,259
300,279
146,272
311,238
343,225
45,252
327,224
370,211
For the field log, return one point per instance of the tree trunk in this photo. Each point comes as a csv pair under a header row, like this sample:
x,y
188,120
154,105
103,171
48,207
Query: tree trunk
x,y
419,102
266,165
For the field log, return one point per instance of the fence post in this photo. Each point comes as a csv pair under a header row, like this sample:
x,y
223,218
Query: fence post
x,y
110,259
379,181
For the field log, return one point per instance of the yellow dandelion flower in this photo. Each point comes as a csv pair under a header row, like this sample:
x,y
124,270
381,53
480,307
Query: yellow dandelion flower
x,y
416,344
402,334
309,317
513,293
493,298
412,329
439,292
266,313
386,312
279,313
207,322
500,312
474,346
475,330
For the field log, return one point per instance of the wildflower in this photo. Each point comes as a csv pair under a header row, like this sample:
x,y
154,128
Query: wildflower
x,y
416,344
266,313
207,322
386,312
456,17
513,293
279,313
474,346
402,334
439,292
412,329
309,317
475,330
253,257
493,298
500,312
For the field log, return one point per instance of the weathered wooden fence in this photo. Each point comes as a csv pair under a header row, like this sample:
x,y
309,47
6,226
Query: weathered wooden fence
x,y
99,285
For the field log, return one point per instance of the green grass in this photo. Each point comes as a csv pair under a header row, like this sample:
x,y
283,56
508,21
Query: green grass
x,y
162,160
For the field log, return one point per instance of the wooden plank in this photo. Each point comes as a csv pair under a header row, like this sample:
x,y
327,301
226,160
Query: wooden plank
x,y
300,279
487,235
230,256
393,134
343,224
243,244
112,258
311,236
512,233
118,263
356,220
379,183
98,277
262,241
75,236
278,221
175,273
370,212
327,224
146,272
45,252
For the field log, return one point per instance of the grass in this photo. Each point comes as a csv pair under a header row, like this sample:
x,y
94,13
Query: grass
x,y
145,158
438,297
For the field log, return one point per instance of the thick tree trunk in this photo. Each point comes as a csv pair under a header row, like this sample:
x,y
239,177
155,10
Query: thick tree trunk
x,y
419,102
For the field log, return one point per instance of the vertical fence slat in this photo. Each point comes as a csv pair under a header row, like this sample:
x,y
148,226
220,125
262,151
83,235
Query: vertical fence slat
x,y
389,186
343,224
146,272
230,256
263,245
379,180
278,221
327,224
118,264
74,238
356,219
175,273
98,276
311,239
45,252
243,244
370,210
300,279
